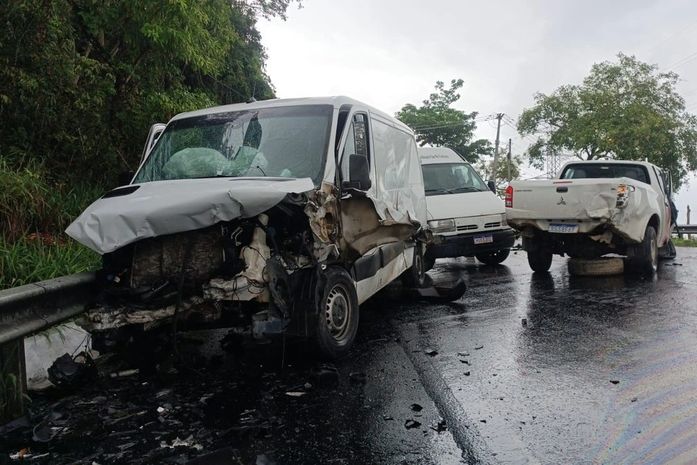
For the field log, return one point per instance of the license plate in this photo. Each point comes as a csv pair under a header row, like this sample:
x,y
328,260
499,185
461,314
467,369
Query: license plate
x,y
563,228
483,239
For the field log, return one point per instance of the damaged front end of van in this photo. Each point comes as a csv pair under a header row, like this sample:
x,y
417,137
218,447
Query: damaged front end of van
x,y
241,217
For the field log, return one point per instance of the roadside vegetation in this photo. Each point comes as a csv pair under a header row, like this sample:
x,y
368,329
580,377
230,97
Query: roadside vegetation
x,y
684,242
80,84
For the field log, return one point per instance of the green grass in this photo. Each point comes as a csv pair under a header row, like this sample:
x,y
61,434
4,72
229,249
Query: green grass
x,y
31,260
684,242
34,211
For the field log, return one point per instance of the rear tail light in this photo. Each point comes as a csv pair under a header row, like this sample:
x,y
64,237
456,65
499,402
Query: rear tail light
x,y
509,196
623,191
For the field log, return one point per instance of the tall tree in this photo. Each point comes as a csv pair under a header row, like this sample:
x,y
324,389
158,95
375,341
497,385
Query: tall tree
x,y
625,109
436,123
82,80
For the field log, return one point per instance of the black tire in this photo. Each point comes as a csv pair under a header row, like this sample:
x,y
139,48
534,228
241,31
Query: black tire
x,y
429,261
493,258
539,258
337,314
668,251
645,259
596,266
415,276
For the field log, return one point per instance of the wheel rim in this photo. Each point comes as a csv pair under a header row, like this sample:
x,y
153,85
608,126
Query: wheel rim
x,y
337,313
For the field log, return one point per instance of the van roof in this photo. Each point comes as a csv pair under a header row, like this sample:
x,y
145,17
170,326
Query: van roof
x,y
433,155
335,101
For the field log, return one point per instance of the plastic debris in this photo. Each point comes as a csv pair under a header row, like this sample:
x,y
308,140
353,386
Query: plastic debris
x,y
68,371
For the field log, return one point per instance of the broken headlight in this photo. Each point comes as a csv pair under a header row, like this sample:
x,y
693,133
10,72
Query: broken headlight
x,y
439,226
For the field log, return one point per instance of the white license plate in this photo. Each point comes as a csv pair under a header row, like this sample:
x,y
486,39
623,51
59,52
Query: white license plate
x,y
563,228
483,239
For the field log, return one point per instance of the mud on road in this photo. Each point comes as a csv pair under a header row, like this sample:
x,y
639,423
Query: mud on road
x,y
523,369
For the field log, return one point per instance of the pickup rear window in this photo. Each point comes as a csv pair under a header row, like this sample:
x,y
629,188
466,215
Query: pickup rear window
x,y
606,170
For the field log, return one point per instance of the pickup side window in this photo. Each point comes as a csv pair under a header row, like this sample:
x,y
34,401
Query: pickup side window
x,y
661,183
605,171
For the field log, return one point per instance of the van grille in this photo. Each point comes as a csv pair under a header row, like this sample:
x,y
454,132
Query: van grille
x,y
493,225
467,227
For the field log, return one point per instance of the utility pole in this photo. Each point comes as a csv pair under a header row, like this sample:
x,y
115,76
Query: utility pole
x,y
496,146
509,160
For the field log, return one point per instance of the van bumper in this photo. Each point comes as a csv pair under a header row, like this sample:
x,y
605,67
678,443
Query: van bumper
x,y
463,244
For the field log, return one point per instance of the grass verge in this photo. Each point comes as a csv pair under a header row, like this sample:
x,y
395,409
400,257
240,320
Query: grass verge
x,y
684,242
33,259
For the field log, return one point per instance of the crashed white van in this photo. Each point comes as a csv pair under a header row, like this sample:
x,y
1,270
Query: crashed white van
x,y
281,216
465,216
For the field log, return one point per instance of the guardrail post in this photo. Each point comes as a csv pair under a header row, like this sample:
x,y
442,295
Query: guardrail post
x,y
13,378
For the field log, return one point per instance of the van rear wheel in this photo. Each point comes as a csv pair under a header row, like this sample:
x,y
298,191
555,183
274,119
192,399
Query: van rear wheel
x,y
415,276
337,309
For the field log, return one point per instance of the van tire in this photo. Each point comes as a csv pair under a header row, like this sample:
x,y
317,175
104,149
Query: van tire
x,y
595,267
493,258
415,276
645,258
337,314
539,257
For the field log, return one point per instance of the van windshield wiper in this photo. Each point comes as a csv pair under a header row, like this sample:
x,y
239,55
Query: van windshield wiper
x,y
445,191
466,189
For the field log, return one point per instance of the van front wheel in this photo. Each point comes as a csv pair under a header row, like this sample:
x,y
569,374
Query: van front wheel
x,y
337,308
493,258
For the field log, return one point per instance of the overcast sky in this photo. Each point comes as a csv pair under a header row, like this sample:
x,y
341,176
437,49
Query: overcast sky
x,y
391,52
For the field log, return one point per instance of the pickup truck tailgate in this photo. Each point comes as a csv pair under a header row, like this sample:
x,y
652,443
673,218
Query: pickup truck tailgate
x,y
563,199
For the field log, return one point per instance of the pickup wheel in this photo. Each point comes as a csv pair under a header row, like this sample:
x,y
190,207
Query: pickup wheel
x,y
337,314
493,258
539,258
645,259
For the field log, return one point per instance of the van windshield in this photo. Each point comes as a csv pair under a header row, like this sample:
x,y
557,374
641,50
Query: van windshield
x,y
286,142
451,178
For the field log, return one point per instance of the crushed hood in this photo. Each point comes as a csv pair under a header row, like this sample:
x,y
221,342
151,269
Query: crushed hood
x,y
167,207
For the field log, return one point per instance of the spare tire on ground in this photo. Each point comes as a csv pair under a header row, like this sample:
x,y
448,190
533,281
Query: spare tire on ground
x,y
608,266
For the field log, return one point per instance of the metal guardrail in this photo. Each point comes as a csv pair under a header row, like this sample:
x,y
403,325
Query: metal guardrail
x,y
26,310
686,229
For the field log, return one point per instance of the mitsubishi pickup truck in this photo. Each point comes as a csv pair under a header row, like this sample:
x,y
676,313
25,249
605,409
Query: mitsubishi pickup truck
x,y
595,208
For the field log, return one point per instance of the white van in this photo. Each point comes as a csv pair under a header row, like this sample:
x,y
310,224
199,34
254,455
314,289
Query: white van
x,y
281,216
465,216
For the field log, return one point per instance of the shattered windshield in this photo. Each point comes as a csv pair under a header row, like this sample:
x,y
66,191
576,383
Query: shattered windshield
x,y
287,142
451,178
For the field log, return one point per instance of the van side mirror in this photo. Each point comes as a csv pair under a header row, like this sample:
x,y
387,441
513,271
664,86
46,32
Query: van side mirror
x,y
492,187
359,173
125,177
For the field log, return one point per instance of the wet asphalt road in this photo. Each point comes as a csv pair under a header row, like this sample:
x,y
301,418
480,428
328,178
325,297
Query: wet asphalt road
x,y
571,370
524,368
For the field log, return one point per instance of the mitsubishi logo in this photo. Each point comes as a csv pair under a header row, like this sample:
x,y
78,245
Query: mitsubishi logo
x,y
561,201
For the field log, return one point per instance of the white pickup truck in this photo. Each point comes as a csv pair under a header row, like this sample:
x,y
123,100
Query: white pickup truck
x,y
592,209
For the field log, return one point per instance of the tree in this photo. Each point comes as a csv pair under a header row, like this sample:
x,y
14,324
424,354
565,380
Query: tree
x,y
436,123
625,110
486,165
82,80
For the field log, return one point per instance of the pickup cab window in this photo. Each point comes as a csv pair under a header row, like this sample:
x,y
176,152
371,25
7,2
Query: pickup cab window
x,y
606,170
